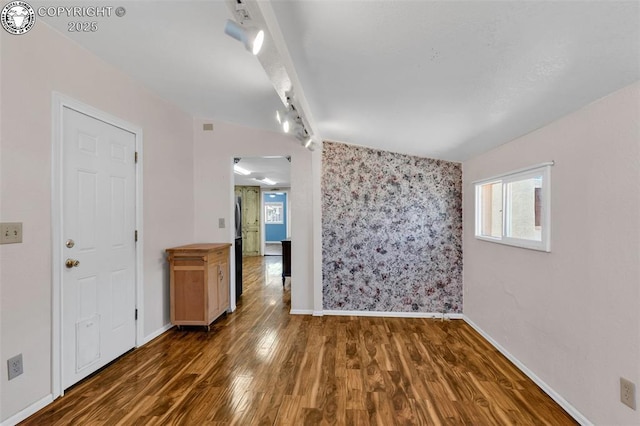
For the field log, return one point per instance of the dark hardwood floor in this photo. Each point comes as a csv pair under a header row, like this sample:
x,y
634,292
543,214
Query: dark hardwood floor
x,y
262,366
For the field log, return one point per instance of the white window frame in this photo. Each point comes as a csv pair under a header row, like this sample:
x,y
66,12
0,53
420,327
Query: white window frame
x,y
543,169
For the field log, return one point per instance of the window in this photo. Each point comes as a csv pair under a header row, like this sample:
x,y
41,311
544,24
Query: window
x,y
513,209
273,213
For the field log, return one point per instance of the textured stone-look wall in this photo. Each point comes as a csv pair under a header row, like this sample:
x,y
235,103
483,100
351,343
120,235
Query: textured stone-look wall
x,y
391,231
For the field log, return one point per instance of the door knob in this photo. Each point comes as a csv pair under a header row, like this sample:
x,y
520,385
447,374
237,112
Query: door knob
x,y
72,263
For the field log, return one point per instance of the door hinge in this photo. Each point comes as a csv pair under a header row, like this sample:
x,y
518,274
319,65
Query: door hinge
x,y
136,314
136,236
136,157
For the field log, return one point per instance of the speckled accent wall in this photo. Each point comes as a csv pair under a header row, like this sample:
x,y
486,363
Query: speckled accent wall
x,y
391,231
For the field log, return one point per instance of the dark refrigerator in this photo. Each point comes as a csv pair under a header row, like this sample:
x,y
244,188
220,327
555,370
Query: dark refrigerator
x,y
238,247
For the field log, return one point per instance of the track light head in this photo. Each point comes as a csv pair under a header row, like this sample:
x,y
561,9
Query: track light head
x,y
290,121
307,143
293,122
281,116
251,37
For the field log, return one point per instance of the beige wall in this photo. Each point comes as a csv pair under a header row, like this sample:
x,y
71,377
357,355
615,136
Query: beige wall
x,y
32,66
571,316
214,152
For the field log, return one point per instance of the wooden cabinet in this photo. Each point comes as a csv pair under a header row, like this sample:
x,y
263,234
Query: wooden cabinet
x,y
199,283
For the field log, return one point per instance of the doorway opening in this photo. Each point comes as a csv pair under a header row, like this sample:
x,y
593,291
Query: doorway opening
x,y
276,211
262,211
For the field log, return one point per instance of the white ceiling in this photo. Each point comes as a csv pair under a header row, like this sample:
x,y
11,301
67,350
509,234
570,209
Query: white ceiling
x,y
443,79
278,169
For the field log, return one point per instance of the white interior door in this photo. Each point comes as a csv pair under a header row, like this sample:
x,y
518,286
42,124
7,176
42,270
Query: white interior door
x,y
98,279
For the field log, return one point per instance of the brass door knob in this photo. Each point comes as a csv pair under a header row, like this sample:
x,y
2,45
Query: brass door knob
x,y
72,263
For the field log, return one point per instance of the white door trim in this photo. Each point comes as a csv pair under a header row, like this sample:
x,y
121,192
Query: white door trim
x,y
59,102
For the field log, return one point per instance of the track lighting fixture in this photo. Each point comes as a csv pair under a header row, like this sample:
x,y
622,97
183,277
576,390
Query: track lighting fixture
x,y
251,37
290,121
293,123
245,26
283,119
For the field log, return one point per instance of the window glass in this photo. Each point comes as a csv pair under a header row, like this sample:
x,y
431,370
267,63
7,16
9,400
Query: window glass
x,y
523,209
514,208
491,202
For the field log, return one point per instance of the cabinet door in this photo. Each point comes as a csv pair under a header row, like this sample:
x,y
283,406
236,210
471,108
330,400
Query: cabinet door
x,y
223,287
212,291
189,298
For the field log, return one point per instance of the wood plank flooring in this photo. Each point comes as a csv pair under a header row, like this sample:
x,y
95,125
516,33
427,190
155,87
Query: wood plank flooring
x,y
262,366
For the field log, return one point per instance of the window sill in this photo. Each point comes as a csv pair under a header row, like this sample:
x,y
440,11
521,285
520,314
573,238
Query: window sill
x,y
525,244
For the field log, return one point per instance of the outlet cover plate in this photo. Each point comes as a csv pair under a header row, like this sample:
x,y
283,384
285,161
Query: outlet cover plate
x,y
628,393
15,366
10,232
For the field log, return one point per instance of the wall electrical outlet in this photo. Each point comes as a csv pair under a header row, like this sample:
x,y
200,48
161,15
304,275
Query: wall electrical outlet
x,y
15,366
10,233
221,222
628,393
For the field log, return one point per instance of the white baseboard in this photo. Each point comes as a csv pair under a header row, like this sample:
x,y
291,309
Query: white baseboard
x,y
573,412
157,333
393,314
301,312
30,410
37,406
438,315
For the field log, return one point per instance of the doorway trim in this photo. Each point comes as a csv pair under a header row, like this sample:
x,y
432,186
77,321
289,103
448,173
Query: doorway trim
x,y
58,103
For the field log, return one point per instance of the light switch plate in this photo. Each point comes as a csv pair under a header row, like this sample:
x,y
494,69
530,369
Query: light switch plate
x,y
10,232
221,222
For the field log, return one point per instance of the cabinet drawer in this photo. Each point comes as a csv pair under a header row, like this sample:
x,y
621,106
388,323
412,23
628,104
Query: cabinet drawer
x,y
196,262
218,256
